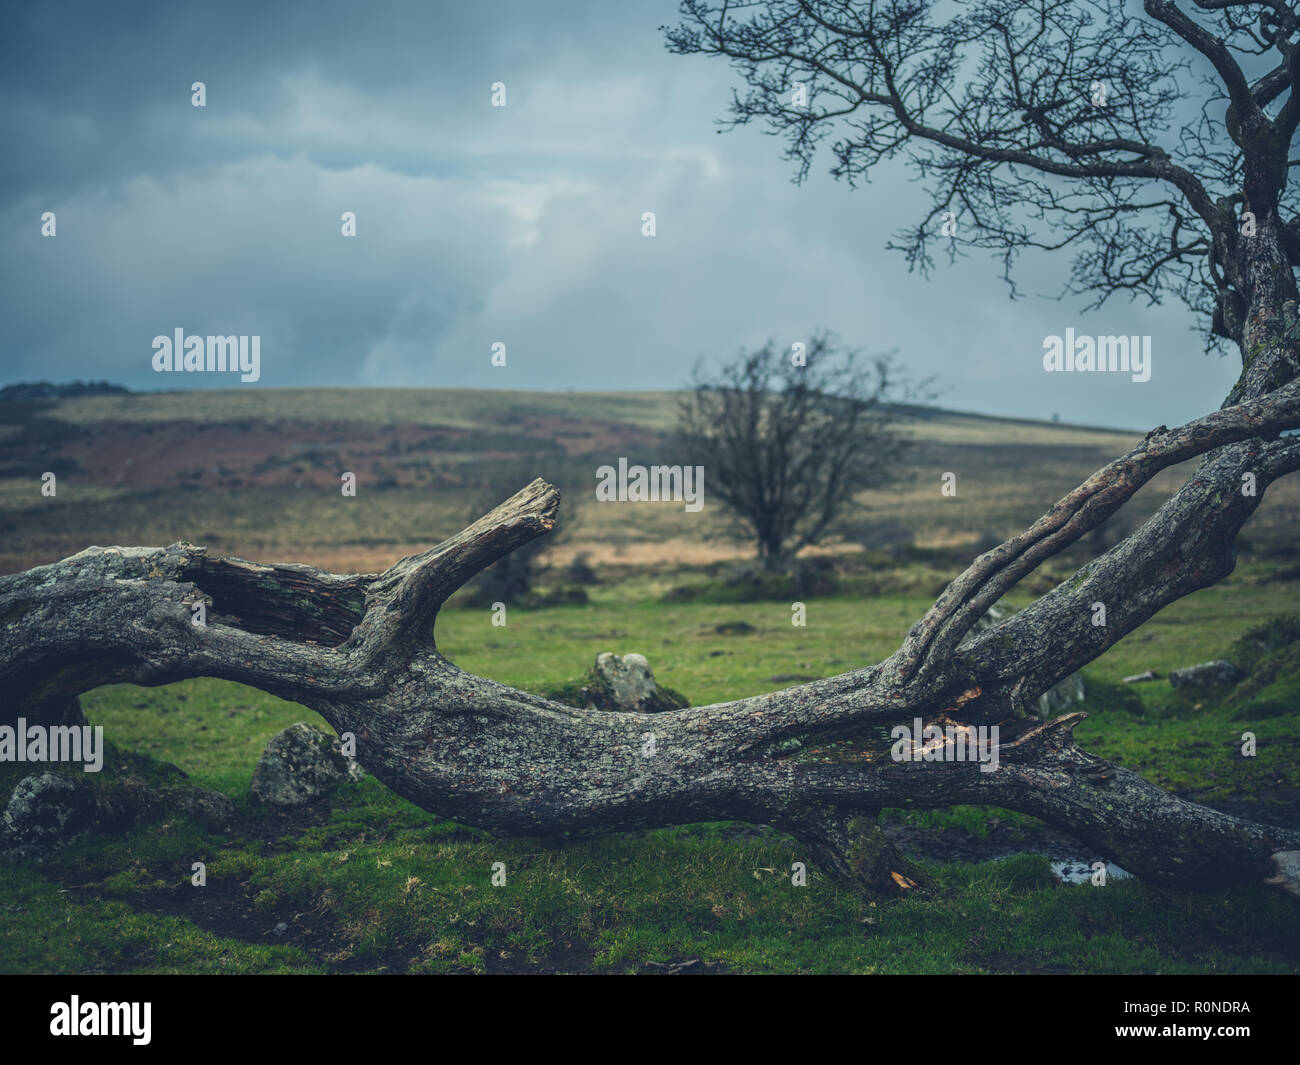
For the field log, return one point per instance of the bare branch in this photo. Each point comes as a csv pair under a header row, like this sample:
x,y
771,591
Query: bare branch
x,y
994,573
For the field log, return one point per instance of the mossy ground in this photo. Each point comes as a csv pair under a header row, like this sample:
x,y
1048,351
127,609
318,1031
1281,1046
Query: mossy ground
x,y
368,882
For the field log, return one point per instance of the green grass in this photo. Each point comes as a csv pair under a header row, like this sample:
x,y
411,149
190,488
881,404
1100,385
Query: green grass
x,y
382,889
47,930
369,882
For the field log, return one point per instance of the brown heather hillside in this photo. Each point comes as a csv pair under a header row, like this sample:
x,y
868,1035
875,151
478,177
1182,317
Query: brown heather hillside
x,y
256,473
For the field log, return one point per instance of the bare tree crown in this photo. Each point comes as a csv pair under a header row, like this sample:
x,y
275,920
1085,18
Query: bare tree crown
x,y
790,438
1051,124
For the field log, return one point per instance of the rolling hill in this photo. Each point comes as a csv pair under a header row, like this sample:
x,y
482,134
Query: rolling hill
x,y
256,473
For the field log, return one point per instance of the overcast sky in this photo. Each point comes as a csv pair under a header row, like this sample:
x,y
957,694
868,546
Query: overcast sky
x,y
476,224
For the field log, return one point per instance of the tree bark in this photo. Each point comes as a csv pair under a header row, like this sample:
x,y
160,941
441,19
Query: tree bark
x,y
360,650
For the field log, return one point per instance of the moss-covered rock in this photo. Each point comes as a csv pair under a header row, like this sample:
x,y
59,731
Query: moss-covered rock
x,y
1261,641
300,765
1273,686
616,683
42,815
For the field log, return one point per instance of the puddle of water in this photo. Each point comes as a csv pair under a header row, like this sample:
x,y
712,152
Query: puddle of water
x,y
1079,871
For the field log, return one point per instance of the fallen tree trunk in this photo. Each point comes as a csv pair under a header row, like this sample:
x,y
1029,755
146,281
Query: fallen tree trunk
x,y
360,650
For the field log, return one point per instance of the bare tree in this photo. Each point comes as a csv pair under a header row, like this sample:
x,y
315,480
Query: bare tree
x,y
1020,136
789,439
1054,124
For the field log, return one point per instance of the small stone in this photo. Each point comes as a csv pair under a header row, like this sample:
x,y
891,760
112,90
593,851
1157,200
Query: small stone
x,y
631,685
1220,671
211,809
300,765
625,684
44,811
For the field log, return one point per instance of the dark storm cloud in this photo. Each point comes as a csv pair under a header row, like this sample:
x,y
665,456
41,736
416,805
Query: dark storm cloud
x,y
475,224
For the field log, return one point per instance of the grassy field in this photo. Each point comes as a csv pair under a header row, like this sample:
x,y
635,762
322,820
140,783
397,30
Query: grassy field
x,y
256,474
367,882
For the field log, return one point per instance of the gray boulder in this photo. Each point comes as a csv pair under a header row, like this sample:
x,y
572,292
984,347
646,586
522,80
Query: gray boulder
x,y
44,811
628,677
620,684
48,810
1058,698
1220,671
626,683
301,765
211,809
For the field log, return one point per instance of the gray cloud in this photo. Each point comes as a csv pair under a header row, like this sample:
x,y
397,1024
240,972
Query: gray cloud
x,y
475,224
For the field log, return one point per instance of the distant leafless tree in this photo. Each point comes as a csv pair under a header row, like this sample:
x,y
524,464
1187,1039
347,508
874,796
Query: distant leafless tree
x,y
786,447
